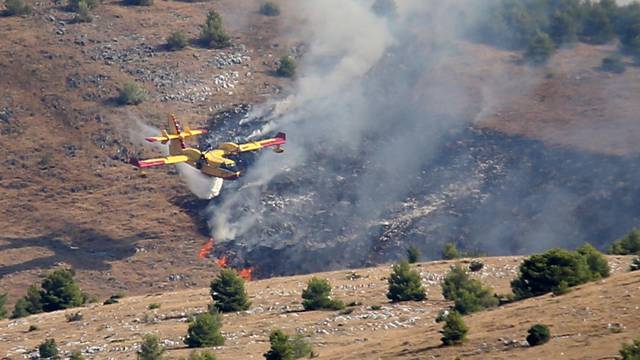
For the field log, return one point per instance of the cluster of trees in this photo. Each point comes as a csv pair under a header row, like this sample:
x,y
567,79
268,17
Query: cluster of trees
x,y
540,26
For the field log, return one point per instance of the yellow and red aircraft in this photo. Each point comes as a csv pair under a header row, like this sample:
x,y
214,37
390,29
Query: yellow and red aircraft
x,y
212,162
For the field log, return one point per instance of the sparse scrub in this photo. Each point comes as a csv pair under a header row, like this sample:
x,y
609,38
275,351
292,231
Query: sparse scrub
x,y
3,302
33,328
77,316
405,284
153,306
538,335
138,2
468,295
270,8
613,65
213,34
17,8
76,355
203,355
74,5
539,49
541,273
287,67
204,330
635,264
83,14
450,251
228,292
48,349
628,245
631,351
285,348
316,296
177,41
454,331
413,254
131,94
376,307
150,349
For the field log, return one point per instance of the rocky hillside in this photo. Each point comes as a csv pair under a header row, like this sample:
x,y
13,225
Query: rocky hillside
x,y
590,322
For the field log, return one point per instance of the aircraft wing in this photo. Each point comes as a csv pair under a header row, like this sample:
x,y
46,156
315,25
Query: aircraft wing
x,y
165,137
159,161
280,139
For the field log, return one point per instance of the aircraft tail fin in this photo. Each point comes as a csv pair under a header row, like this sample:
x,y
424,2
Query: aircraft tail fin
x,y
175,135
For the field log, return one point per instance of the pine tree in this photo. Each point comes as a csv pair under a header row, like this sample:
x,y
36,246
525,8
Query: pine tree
x,y
150,348
3,301
228,292
405,284
316,296
455,330
60,291
213,34
204,331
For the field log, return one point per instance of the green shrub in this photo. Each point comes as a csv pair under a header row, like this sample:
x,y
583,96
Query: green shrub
x,y
564,28
476,266
285,348
561,289
83,15
48,349
450,251
375,307
204,331
150,349
203,355
228,292
270,8
20,309
628,245
74,5
596,26
468,295
60,291
539,49
110,301
541,273
613,65
413,254
76,355
287,67
635,264
316,296
177,41
538,335
3,302
153,306
138,2
131,94
597,262
455,330
77,316
33,328
405,284
631,351
213,34
17,8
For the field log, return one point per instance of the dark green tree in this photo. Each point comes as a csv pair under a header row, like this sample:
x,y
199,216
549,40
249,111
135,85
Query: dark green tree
x,y
631,351
20,309
204,331
539,49
30,304
48,349
597,27
3,302
564,28
60,291
150,349
541,273
281,348
316,296
613,64
405,284
213,34
597,262
538,335
455,330
287,67
468,295
450,251
228,292
628,245
413,254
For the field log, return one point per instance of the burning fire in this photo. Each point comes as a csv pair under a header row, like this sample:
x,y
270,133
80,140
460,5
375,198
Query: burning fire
x,y
206,249
246,273
222,262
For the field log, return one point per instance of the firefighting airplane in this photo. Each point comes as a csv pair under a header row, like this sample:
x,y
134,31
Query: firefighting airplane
x,y
212,162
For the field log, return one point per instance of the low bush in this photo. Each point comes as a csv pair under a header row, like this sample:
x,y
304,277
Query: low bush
x,y
476,266
613,65
628,245
538,335
177,41
285,348
48,349
316,296
150,349
3,302
413,254
270,8
468,295
204,331
138,2
286,67
83,14
539,49
454,331
131,94
77,316
203,355
213,34
631,351
17,8
153,306
450,251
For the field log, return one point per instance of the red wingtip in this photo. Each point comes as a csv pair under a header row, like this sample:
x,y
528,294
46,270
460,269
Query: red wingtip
x,y
150,139
134,161
281,135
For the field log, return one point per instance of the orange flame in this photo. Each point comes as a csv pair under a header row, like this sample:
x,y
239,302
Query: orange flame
x,y
222,262
246,273
206,249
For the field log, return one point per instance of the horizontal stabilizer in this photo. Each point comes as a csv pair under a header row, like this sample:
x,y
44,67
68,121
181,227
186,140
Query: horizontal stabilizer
x,y
159,161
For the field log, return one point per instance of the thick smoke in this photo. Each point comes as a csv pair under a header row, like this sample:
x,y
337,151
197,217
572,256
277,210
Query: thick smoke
x,y
381,152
